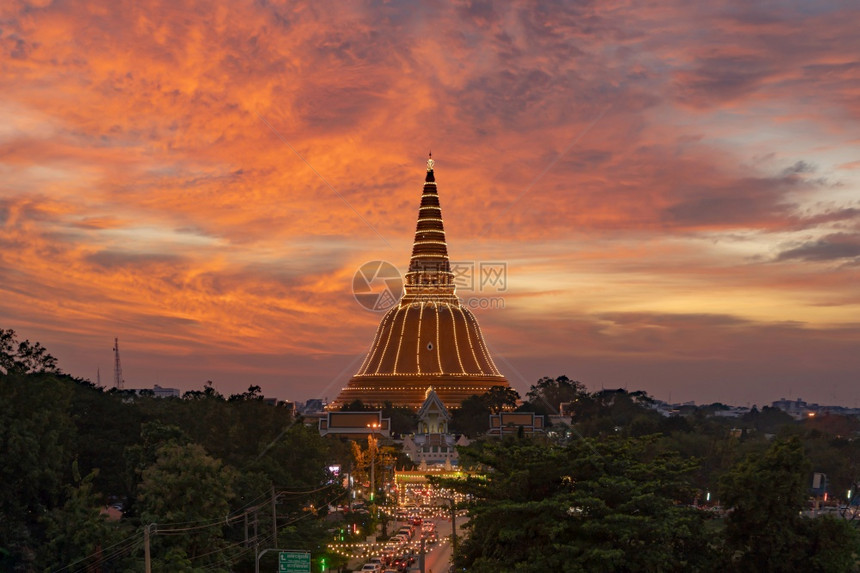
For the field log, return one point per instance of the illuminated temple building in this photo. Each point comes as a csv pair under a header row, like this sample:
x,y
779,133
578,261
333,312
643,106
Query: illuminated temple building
x,y
428,339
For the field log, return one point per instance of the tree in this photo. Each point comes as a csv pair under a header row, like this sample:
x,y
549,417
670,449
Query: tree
x,y
78,532
472,417
106,425
766,494
36,438
254,392
500,398
546,396
144,454
768,420
23,357
403,420
831,544
608,412
764,530
610,505
355,406
187,494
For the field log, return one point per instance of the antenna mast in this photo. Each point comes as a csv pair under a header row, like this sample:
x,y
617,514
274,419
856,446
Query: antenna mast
x,y
117,367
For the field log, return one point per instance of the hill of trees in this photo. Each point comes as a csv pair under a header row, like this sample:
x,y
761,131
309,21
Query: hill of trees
x,y
204,469
623,488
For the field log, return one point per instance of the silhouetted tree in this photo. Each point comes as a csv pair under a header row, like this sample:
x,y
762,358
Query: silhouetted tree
x,y
764,530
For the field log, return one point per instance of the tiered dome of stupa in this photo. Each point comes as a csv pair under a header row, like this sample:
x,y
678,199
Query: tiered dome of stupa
x,y
428,338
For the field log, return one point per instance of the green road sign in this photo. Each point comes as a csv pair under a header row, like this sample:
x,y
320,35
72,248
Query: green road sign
x,y
294,562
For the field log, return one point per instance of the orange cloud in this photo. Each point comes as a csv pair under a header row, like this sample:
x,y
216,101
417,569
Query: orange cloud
x,y
202,181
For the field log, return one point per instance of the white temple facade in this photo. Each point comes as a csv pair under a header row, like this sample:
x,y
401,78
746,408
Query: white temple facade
x,y
432,445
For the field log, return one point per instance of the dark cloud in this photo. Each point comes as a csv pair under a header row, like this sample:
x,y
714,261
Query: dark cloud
x,y
111,259
721,78
830,248
830,216
159,322
675,319
799,167
749,201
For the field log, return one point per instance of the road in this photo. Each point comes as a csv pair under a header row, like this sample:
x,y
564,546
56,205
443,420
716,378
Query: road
x,y
438,560
438,556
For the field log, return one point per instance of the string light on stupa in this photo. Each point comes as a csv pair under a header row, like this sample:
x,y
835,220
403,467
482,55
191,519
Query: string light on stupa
x,y
441,357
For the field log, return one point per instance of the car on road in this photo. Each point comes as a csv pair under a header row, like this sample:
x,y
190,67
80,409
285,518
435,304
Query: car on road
x,y
391,547
407,529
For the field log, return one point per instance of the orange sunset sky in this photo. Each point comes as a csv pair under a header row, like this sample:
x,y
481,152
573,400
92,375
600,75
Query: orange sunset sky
x,y
673,186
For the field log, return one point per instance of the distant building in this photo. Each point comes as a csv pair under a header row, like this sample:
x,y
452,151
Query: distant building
x,y
160,392
354,425
509,423
313,405
433,416
797,409
433,449
431,444
156,392
731,412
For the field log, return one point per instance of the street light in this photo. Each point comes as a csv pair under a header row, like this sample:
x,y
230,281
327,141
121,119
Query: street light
x,y
373,426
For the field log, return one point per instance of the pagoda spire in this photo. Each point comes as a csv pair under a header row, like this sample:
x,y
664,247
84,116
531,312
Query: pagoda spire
x,y
429,344
429,267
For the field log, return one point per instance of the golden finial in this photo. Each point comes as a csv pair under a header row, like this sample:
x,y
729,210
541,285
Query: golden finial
x,y
430,162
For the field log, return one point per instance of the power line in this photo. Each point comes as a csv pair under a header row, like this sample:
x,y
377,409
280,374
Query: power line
x,y
132,539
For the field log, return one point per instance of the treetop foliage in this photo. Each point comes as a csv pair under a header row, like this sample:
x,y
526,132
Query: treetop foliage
x,y
156,460
618,487
24,357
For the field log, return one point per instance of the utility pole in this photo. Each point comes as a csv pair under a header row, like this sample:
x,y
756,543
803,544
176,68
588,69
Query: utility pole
x,y
371,440
147,562
373,479
349,487
453,527
274,517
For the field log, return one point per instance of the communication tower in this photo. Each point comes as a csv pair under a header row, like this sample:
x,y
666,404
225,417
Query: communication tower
x,y
117,367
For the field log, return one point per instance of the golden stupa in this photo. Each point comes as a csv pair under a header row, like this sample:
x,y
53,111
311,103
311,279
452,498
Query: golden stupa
x,y
428,339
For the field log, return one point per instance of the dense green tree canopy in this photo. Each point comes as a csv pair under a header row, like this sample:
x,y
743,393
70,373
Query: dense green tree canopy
x,y
548,394
36,438
23,357
610,505
616,500
472,417
189,492
765,531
